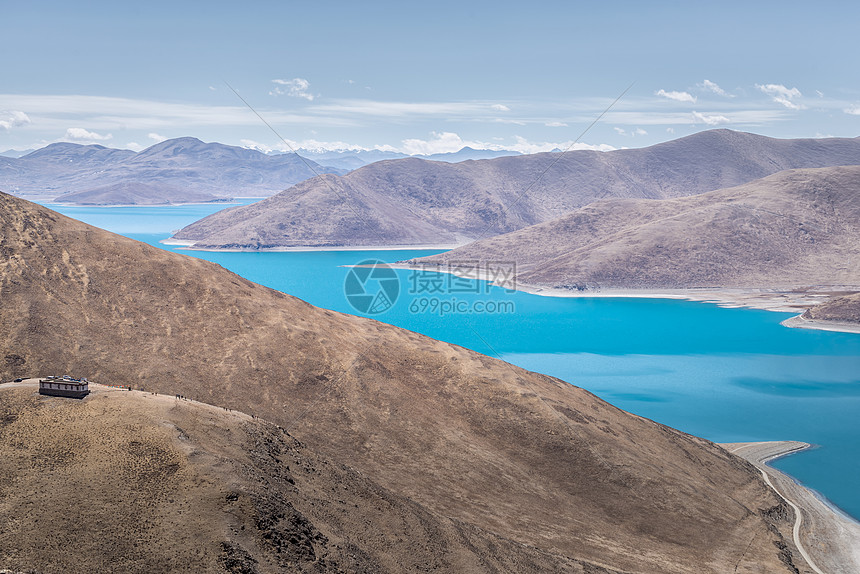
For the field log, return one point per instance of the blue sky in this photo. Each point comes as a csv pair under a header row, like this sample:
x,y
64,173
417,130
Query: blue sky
x,y
424,78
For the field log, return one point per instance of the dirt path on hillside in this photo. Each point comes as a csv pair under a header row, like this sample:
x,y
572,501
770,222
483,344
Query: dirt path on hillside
x,y
828,539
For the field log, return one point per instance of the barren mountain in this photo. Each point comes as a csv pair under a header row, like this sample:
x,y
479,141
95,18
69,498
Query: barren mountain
x,y
467,153
415,202
136,482
353,159
136,193
526,461
186,165
13,153
792,230
843,309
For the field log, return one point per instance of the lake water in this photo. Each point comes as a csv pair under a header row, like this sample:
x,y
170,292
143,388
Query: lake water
x,y
724,374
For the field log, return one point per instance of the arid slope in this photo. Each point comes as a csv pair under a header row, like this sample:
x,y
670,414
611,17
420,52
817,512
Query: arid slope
x,y
136,482
416,202
525,457
843,309
792,230
136,193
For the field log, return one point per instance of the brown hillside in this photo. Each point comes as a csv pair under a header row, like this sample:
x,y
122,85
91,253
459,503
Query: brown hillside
x,y
791,230
525,457
845,308
136,482
136,193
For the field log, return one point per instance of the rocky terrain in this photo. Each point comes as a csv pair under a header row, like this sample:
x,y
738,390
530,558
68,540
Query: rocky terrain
x,y
794,230
843,309
414,202
137,482
186,167
135,193
533,473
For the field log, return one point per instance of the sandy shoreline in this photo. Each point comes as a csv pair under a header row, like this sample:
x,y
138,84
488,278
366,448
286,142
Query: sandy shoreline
x,y
828,539
778,300
763,299
99,205
189,245
800,322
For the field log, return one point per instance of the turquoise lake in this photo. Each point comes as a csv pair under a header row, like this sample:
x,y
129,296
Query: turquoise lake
x,y
723,374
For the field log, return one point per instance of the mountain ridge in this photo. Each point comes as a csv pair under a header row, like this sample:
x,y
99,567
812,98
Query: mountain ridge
x,y
419,203
791,231
135,193
181,164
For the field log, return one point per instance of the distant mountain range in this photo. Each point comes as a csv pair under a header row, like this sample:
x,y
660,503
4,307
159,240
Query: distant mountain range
x,y
183,168
416,202
353,159
794,230
15,152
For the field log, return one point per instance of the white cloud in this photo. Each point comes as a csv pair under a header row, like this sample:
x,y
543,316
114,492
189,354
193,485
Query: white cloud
x,y
53,113
782,95
507,121
524,146
401,109
317,145
12,119
820,93
670,130
446,142
631,133
711,120
713,87
312,145
134,146
213,88
655,118
677,96
853,110
80,134
555,125
500,108
157,138
297,88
